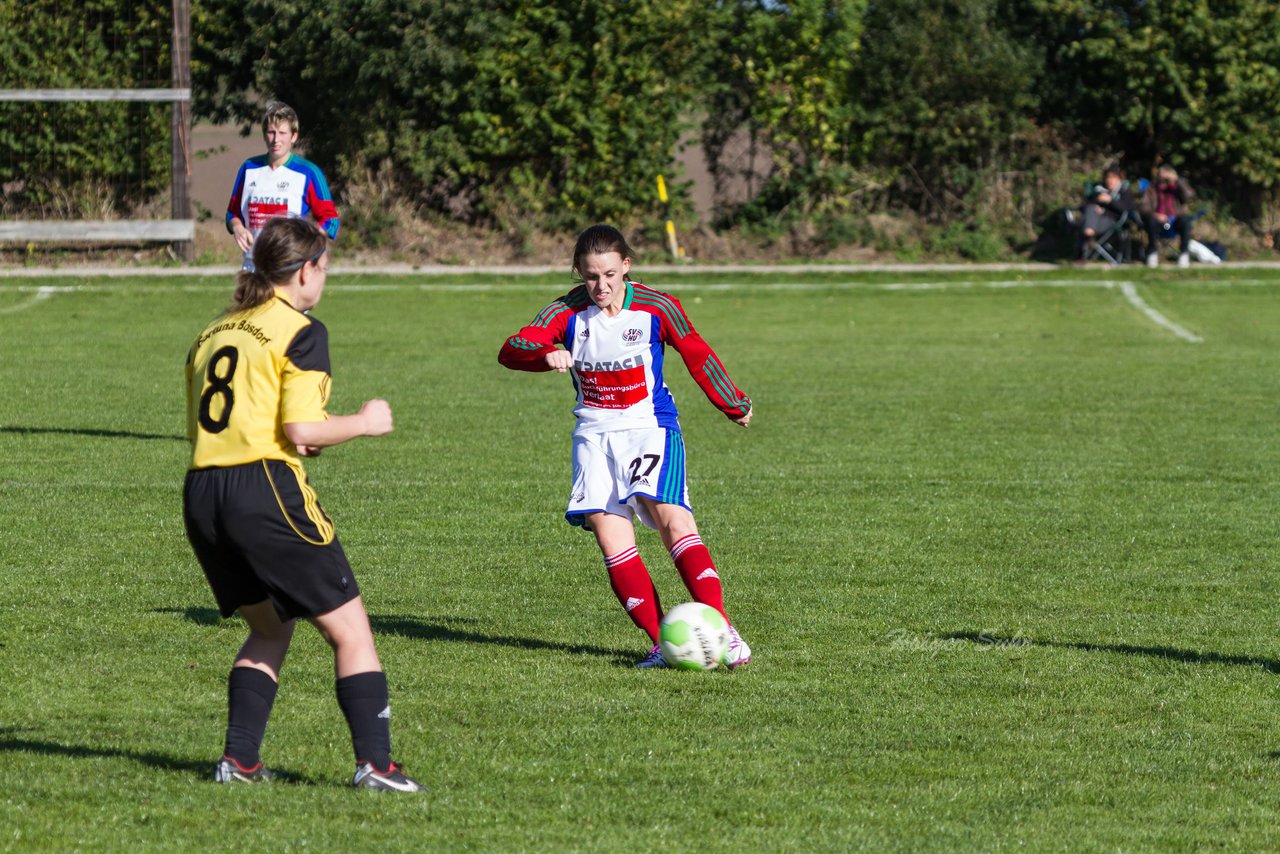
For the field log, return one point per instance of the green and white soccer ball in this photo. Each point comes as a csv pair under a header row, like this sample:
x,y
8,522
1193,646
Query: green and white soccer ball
x,y
693,637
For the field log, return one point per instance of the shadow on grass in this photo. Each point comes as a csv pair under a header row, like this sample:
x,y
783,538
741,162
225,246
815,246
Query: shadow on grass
x,y
199,616
446,630
202,768
90,431
412,627
1185,656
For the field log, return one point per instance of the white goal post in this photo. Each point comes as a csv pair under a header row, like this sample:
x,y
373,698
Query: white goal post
x,y
180,229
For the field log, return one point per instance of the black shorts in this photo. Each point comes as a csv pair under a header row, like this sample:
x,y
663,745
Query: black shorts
x,y
259,533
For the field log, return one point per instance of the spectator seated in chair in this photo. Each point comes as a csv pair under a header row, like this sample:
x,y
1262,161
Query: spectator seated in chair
x,y
1108,207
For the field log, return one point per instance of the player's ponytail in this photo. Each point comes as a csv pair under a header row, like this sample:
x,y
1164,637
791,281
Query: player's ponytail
x,y
598,240
252,290
282,249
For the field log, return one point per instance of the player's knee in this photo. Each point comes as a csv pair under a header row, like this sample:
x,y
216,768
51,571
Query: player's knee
x,y
345,636
277,638
673,521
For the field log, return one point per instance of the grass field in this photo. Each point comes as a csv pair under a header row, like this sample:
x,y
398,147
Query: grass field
x,y
1004,544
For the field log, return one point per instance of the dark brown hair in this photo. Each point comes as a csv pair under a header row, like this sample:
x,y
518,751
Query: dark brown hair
x,y
283,247
597,240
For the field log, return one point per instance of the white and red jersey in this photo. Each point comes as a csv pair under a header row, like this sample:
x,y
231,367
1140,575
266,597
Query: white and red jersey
x,y
618,362
295,188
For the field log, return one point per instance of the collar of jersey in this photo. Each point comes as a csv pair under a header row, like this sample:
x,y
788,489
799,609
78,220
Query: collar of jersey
x,y
626,303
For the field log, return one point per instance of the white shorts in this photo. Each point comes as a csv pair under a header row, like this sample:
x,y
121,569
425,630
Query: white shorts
x,y
609,469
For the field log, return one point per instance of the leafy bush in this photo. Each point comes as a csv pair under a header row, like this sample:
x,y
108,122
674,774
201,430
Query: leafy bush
x,y
533,114
494,112
1181,80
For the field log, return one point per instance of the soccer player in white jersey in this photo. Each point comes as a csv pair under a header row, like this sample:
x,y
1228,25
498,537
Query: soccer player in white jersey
x,y
278,184
610,335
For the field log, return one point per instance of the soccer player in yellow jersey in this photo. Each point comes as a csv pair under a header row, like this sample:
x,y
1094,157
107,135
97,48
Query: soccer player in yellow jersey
x,y
257,387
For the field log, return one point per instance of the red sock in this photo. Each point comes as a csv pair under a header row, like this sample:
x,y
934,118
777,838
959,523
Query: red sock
x,y
698,572
634,588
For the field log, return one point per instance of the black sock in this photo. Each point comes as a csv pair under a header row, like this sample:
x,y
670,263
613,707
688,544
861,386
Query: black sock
x,y
250,695
363,700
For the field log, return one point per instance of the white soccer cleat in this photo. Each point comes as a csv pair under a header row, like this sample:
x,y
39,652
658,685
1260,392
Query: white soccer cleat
x,y
738,654
1153,260
1184,261
653,659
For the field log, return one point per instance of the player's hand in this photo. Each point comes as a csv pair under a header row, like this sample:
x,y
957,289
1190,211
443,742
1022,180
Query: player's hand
x,y
308,451
377,416
559,360
745,420
243,236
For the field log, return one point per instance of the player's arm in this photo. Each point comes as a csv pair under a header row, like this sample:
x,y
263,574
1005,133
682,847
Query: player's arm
x,y
320,201
304,395
236,226
703,364
534,348
237,198
373,419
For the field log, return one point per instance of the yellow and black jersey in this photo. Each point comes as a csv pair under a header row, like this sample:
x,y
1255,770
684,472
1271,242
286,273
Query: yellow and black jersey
x,y
248,374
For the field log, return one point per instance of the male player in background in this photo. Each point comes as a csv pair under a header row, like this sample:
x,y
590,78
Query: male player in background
x,y
278,184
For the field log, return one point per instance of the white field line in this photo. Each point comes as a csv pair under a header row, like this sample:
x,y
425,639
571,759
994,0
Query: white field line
x,y
1131,294
658,271
226,284
1127,289
41,294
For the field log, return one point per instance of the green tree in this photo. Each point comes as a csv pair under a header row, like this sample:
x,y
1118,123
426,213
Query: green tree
x,y
1190,81
784,75
945,93
494,111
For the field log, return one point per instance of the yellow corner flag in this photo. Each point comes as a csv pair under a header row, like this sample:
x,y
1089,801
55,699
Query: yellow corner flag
x,y
672,243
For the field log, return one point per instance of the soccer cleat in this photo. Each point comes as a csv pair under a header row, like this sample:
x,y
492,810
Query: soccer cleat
x,y
653,659
1184,261
738,654
391,780
1153,260
230,771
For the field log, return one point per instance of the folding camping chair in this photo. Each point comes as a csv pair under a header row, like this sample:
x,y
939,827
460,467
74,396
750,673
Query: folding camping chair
x,y
1115,245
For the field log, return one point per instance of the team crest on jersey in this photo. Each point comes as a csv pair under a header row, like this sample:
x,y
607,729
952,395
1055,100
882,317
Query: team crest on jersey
x,y
631,336
283,185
